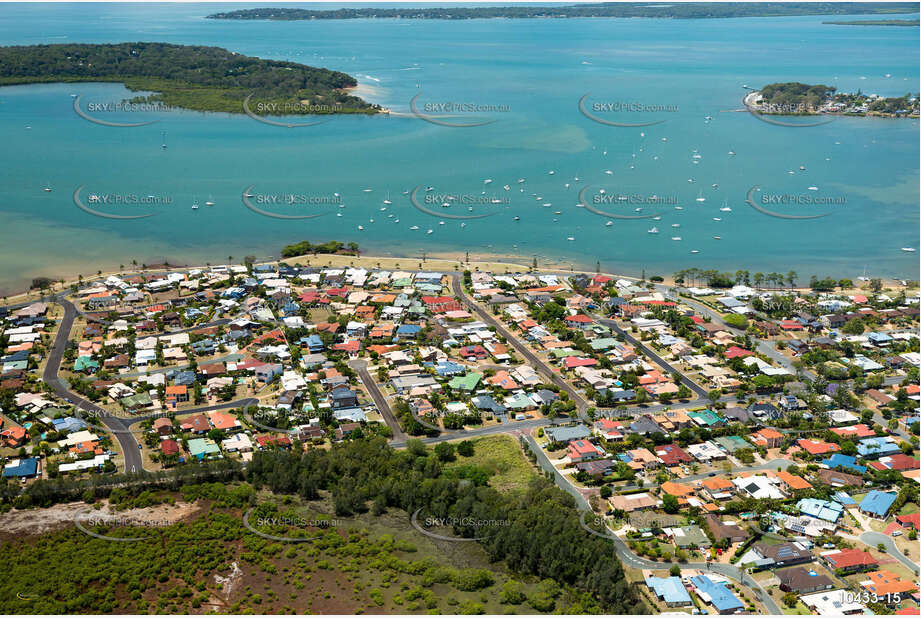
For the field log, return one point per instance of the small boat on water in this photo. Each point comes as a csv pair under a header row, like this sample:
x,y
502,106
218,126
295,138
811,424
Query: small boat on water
x,y
725,209
367,190
717,238
48,188
700,197
813,188
517,218
430,188
679,207
654,230
608,172
676,225
463,225
487,181
676,238
360,228
415,227
908,249
657,218
506,187
717,219
441,223
551,172
694,251
209,201
429,231
194,206
571,238
732,153
802,167
609,224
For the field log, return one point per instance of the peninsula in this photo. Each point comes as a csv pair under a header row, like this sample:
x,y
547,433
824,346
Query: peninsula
x,y
689,10
207,79
795,98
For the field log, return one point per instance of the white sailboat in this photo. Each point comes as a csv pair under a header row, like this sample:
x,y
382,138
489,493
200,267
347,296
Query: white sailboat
x,y
654,230
700,197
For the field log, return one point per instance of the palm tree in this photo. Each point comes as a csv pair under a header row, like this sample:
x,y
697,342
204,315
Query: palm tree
x,y
759,278
791,278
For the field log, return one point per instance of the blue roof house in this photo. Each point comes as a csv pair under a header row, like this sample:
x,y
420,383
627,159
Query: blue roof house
x,y
877,503
24,468
314,344
408,331
68,424
822,509
670,590
844,461
717,594
877,447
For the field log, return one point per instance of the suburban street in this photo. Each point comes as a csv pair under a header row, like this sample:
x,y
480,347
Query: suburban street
x,y
536,363
50,376
380,399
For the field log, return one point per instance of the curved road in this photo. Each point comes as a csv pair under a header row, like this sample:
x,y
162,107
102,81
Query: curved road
x,y
875,538
50,376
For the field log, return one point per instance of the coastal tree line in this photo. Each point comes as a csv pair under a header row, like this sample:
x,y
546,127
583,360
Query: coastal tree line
x,y
189,76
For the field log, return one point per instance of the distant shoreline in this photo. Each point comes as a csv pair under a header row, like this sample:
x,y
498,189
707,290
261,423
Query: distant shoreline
x,y
876,22
688,10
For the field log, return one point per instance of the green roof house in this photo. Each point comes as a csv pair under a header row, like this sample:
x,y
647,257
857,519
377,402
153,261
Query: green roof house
x,y
467,382
203,448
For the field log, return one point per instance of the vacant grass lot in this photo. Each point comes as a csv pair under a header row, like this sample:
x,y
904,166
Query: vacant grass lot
x,y
502,456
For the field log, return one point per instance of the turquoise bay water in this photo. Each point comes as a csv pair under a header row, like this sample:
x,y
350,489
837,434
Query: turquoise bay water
x,y
537,70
